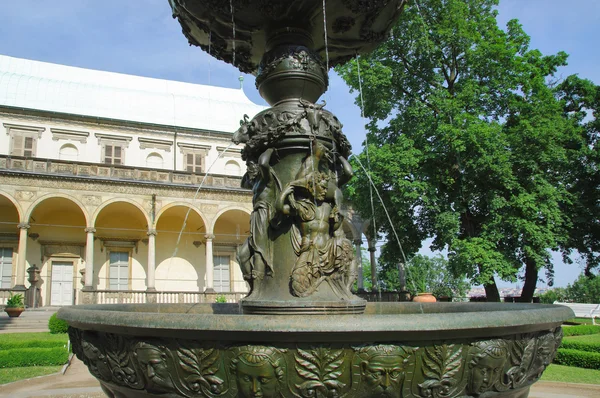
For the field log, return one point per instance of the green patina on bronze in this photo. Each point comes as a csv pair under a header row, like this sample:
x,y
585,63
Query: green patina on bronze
x,y
301,332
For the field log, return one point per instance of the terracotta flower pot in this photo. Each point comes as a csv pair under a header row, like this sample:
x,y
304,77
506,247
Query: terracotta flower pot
x,y
14,312
424,298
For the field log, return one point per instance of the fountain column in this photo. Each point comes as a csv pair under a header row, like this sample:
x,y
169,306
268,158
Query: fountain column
x,y
22,258
151,260
89,258
372,250
210,267
361,282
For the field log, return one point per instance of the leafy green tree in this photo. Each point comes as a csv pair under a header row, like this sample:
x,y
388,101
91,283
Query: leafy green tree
x,y
557,294
580,99
432,275
584,290
466,142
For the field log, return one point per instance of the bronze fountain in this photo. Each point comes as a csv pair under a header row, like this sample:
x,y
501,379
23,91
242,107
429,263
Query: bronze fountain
x,y
301,332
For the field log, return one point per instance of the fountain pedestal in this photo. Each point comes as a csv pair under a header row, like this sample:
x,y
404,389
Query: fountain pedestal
x,y
312,339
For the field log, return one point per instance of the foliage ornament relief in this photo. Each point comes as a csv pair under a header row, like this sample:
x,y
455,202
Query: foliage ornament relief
x,y
188,368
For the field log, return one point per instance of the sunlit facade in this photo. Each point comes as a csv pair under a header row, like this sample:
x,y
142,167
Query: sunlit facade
x,y
98,172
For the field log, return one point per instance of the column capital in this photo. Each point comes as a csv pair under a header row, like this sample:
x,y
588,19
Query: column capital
x,y
357,241
23,225
90,230
209,236
151,232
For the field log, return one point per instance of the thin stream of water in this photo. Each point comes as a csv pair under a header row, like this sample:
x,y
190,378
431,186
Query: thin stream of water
x,y
325,34
193,200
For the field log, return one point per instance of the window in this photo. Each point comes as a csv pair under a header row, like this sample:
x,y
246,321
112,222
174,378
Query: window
x,y
194,162
154,160
6,262
119,271
23,139
221,274
233,168
113,154
68,152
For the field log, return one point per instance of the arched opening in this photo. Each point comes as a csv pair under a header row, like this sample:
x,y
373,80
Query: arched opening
x,y
181,258
231,230
233,168
120,255
68,152
57,231
9,241
154,160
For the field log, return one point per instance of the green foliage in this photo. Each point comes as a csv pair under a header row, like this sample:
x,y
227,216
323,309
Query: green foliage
x,y
470,144
581,330
431,274
581,345
556,294
569,374
584,290
15,301
14,374
580,359
56,325
33,357
220,298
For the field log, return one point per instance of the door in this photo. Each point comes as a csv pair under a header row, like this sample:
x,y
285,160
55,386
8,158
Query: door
x,y
221,274
62,283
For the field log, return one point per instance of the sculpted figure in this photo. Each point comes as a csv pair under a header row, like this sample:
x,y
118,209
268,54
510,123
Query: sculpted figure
x,y
153,362
486,365
259,371
313,199
255,256
382,369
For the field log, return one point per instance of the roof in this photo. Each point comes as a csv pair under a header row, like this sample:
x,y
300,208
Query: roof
x,y
86,92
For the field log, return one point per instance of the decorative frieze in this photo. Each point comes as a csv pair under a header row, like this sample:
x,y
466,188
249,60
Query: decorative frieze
x,y
26,196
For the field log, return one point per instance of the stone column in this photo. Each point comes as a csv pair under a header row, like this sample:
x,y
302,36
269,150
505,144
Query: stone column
x,y
89,259
151,260
361,282
209,264
22,258
372,249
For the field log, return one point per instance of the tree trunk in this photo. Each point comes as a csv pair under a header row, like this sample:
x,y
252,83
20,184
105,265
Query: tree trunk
x,y
531,277
491,291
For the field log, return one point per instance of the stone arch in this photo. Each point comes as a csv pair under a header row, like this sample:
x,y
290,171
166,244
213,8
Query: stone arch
x,y
155,160
57,195
15,203
68,152
182,204
349,227
223,211
116,200
233,167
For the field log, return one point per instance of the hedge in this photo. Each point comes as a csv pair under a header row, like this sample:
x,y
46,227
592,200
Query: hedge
x,y
580,359
56,325
580,345
33,357
581,330
10,345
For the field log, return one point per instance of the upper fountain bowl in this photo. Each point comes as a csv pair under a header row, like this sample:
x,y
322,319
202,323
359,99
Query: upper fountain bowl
x,y
239,31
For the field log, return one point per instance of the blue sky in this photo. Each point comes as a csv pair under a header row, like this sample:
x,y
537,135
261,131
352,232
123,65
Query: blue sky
x,y
141,38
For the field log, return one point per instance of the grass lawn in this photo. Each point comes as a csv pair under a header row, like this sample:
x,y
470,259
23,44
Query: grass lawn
x,y
569,374
583,321
590,338
13,374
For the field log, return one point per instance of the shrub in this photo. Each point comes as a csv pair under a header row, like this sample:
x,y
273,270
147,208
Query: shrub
x,y
581,346
33,357
221,299
15,301
581,330
580,359
56,325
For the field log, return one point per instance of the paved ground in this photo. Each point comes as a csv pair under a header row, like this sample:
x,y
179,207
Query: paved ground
x,y
31,320
78,383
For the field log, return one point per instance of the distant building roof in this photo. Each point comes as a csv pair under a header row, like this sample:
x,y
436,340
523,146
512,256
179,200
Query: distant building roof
x,y
66,89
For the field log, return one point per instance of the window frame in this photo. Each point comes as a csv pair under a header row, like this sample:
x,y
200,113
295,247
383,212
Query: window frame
x,y
109,277
229,275
14,130
12,267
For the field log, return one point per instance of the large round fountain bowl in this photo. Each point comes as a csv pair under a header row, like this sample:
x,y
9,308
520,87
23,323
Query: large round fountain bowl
x,y
394,349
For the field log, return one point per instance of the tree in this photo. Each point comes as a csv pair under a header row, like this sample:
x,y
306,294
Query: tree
x,y
580,99
466,142
584,290
432,275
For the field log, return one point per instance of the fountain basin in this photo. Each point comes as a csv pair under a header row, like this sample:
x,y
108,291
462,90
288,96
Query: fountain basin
x,y
393,349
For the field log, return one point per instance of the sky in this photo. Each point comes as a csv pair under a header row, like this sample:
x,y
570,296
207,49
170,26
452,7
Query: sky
x,y
141,38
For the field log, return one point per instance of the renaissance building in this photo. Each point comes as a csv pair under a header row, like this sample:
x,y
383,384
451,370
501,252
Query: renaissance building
x,y
99,176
